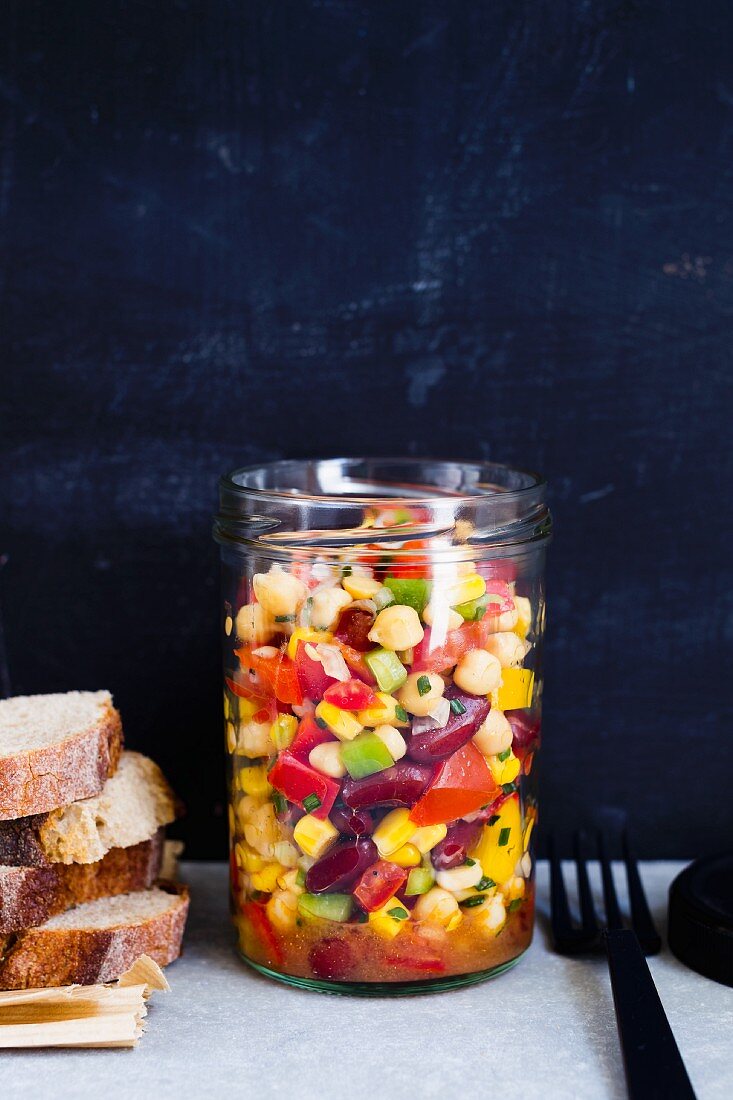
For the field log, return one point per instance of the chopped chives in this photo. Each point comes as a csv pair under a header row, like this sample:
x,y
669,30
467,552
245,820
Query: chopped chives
x,y
471,903
503,836
285,618
312,802
493,819
509,788
457,706
398,913
485,883
502,756
279,802
319,722
470,863
346,571
423,685
514,904
401,714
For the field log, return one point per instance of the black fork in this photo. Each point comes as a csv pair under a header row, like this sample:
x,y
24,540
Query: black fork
x,y
652,1061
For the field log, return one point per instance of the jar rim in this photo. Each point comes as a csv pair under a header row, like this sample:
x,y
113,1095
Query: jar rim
x,y
322,504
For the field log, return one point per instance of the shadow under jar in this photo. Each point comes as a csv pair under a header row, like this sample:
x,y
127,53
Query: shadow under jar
x,y
382,627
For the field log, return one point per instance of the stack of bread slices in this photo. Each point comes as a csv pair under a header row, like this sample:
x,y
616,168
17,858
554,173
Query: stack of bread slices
x,y
81,846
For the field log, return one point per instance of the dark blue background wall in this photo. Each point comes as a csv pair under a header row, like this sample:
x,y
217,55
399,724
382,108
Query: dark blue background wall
x,y
234,231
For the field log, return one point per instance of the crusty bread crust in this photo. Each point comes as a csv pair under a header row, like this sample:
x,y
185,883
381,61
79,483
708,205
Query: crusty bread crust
x,y
30,895
41,957
51,776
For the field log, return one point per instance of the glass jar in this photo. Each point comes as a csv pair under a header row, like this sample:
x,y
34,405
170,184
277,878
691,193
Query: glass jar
x,y
382,627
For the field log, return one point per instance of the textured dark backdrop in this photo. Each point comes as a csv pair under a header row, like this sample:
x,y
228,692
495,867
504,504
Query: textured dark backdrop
x,y
234,231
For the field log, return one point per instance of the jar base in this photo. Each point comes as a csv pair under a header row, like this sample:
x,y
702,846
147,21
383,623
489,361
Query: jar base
x,y
384,989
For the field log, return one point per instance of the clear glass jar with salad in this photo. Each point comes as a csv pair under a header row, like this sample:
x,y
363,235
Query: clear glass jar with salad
x,y
382,628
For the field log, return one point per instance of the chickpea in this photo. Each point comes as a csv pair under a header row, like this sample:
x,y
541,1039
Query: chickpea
x,y
507,647
393,740
442,617
437,906
327,605
282,910
326,758
255,738
279,592
411,699
262,830
397,627
494,735
254,625
491,917
478,672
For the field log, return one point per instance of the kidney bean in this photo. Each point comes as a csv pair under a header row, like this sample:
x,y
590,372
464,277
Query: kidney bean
x,y
353,628
437,744
352,822
331,958
525,728
340,867
400,785
453,848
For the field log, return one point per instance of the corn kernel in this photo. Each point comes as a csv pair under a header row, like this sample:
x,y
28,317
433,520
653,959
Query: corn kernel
x,y
247,859
515,692
253,781
282,910
283,730
341,724
438,906
504,771
428,836
305,634
226,705
382,713
314,836
360,587
406,856
524,613
266,879
231,737
394,830
467,588
389,926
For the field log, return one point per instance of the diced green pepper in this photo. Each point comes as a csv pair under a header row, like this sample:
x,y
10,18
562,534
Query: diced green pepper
x,y
387,669
365,755
473,610
414,593
327,906
419,881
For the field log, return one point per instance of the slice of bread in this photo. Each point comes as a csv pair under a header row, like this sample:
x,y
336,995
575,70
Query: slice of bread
x,y
55,749
131,806
31,895
96,942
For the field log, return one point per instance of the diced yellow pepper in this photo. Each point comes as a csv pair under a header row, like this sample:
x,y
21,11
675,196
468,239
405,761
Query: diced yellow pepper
x,y
504,771
394,830
247,859
253,781
386,925
466,588
516,688
342,724
383,713
500,844
266,879
283,730
406,856
305,634
314,836
360,587
428,836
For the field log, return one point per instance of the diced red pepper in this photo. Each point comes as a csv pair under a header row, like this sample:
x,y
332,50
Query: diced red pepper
x,y
500,598
404,565
430,658
355,662
298,782
350,695
244,691
312,677
378,883
264,931
277,674
463,783
308,735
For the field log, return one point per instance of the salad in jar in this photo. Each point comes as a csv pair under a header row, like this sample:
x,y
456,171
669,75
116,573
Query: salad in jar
x,y
382,720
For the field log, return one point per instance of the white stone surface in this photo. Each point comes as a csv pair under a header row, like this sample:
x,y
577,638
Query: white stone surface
x,y
545,1030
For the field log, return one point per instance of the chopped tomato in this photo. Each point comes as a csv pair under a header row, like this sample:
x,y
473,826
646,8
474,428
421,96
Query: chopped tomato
x,y
430,658
351,695
405,565
263,931
299,783
308,735
463,784
277,673
378,883
355,662
312,676
353,628
500,598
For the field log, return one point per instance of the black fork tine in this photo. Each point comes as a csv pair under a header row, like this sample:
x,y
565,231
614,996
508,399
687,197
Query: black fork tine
x,y
610,900
641,918
560,919
588,918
